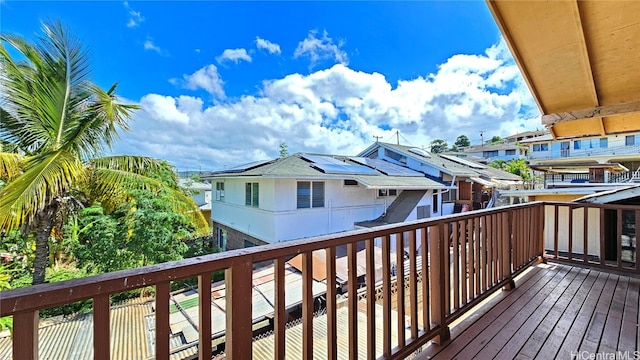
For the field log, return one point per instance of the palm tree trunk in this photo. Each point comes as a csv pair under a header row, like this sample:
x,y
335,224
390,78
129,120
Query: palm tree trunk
x,y
43,231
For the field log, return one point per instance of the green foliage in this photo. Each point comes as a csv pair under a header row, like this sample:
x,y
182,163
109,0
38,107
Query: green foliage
x,y
495,140
284,150
438,146
462,141
142,231
516,166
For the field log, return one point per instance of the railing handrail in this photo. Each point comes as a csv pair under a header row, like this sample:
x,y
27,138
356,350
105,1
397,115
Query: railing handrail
x,y
67,291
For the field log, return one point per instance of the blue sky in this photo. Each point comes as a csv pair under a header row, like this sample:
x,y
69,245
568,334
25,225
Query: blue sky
x,y
223,83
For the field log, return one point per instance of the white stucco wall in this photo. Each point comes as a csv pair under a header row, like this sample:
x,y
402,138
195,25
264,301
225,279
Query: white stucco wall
x,y
593,230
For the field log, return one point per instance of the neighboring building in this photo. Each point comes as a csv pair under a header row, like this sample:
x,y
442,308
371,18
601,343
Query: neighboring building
x,y
305,195
492,152
471,183
200,193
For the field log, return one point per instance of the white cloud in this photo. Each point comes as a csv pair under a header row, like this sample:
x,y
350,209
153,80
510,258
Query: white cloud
x,y
234,55
272,48
149,45
322,48
206,78
336,110
134,17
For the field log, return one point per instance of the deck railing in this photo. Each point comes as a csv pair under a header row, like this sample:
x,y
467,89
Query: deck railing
x,y
465,257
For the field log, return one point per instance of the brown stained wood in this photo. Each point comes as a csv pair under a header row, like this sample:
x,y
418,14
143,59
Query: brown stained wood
x,y
443,240
552,344
386,296
629,331
611,331
280,314
637,212
413,285
618,238
577,330
332,328
426,318
308,304
490,246
478,256
463,241
585,235
454,242
471,340
371,299
400,309
162,320
238,283
596,325
496,246
25,335
204,316
505,337
506,246
539,324
555,231
570,233
471,245
439,289
101,331
602,236
352,299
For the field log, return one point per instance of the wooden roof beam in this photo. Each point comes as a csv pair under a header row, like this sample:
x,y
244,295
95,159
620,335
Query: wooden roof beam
x,y
597,111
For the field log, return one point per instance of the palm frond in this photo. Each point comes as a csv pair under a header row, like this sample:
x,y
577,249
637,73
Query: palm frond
x,y
10,165
46,176
113,177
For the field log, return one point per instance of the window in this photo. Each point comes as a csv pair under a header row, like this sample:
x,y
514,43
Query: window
x,y
248,244
219,191
435,202
252,194
310,194
604,142
350,183
577,144
221,237
395,156
450,196
490,153
629,140
510,152
387,192
541,147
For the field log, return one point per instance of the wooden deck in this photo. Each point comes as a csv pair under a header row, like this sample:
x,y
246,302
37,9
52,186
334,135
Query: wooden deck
x,y
556,311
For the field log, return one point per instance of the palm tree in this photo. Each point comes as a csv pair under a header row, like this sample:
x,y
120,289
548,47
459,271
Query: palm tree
x,y
55,123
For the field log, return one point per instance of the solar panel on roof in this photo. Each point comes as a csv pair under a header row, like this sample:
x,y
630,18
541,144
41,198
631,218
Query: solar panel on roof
x,y
345,169
420,152
463,161
245,167
386,167
319,159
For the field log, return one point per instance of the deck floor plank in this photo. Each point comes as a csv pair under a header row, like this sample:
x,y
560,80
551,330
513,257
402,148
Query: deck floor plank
x,y
550,347
555,311
504,317
516,332
525,290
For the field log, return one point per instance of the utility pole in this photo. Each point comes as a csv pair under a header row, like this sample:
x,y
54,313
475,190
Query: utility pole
x,y
377,137
398,137
481,138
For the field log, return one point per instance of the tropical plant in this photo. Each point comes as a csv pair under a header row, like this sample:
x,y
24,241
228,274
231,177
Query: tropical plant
x,y
56,124
438,146
462,141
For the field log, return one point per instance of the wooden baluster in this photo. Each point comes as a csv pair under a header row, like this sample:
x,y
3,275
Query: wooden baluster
x,y
332,329
238,306
307,305
371,298
280,313
25,335
162,320
352,299
413,284
386,296
400,288
439,287
101,328
424,252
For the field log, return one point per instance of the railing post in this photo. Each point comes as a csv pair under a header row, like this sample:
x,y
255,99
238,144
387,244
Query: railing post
x,y
101,333
505,227
25,335
438,286
204,316
162,320
238,279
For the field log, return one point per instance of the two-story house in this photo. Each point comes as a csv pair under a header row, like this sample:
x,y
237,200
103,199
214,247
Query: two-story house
x,y
305,195
506,151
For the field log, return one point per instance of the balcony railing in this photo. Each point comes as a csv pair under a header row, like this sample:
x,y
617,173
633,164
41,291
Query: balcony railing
x,y
581,153
465,257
